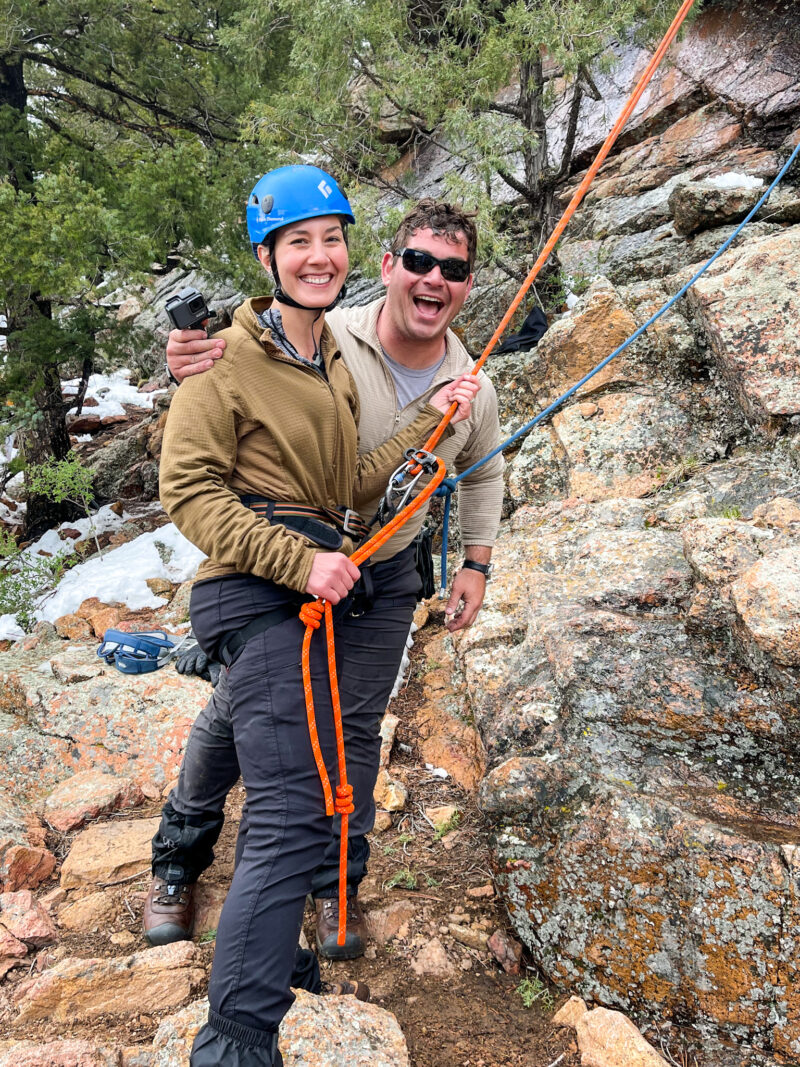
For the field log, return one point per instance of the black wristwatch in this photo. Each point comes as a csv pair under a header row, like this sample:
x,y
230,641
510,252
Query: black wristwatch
x,y
483,568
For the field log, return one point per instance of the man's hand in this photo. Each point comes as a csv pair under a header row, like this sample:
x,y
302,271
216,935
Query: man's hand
x,y
462,391
469,589
332,576
192,352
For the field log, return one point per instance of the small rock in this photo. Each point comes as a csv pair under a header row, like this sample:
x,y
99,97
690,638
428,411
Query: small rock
x,y
87,914
86,795
383,822
25,919
209,900
386,923
433,960
506,951
569,1013
481,892
73,628
469,936
123,938
160,587
466,964
390,794
12,951
422,614
389,726
442,815
609,1039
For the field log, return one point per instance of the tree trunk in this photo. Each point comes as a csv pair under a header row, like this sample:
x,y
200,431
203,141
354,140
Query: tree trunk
x,y
49,437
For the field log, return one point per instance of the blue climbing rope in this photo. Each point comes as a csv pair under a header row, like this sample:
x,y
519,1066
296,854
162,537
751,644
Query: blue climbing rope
x,y
447,487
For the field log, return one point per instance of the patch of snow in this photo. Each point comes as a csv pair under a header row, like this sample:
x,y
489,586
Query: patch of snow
x,y
10,630
120,576
111,391
733,180
437,772
571,300
82,438
51,542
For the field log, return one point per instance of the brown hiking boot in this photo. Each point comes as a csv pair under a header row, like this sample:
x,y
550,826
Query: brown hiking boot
x,y
168,912
328,929
345,988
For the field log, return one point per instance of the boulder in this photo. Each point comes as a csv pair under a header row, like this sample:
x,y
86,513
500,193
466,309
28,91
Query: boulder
x,y
641,784
704,204
86,795
749,306
317,1032
108,853
88,914
156,980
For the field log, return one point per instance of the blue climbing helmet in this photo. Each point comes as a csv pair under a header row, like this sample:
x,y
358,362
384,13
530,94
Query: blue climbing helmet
x,y
289,194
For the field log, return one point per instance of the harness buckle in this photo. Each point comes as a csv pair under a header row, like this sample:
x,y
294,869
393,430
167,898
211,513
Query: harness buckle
x,y
351,517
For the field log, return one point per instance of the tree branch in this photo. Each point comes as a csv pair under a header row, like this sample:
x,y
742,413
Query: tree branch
x,y
572,129
115,90
517,186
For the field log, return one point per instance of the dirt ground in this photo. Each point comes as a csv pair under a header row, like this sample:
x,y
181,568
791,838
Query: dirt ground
x,y
474,1018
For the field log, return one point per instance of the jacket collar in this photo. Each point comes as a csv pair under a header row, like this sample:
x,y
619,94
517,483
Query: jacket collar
x,y
246,315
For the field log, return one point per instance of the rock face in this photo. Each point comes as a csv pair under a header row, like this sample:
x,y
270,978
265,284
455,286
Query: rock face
x,y
634,672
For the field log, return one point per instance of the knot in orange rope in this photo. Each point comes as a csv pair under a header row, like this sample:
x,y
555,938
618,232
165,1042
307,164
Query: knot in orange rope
x,y
312,612
344,800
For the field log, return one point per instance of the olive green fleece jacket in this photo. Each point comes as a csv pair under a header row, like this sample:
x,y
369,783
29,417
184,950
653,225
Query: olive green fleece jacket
x,y
261,422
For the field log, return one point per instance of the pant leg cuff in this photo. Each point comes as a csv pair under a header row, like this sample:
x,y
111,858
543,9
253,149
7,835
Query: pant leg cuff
x,y
245,1035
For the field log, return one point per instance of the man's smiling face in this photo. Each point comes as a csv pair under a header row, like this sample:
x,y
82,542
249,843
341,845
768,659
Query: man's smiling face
x,y
422,306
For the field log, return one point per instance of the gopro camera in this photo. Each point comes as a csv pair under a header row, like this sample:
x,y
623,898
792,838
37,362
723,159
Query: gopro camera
x,y
188,310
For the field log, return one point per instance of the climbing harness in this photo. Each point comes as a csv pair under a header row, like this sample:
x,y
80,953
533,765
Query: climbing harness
x,y
137,653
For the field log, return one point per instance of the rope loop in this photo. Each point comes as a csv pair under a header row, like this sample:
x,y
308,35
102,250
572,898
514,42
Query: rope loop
x,y
447,487
344,800
312,612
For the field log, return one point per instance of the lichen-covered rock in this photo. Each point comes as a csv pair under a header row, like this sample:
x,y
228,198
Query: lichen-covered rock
x,y
86,795
158,979
109,852
71,1052
317,1032
641,779
700,205
767,598
749,305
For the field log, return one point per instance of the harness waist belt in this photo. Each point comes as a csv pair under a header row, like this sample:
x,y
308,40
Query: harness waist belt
x,y
326,527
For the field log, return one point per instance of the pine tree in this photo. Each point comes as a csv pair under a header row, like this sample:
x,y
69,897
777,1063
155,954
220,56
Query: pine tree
x,y
118,140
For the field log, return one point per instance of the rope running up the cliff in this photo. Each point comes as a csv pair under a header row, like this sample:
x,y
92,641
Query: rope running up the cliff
x,y
448,486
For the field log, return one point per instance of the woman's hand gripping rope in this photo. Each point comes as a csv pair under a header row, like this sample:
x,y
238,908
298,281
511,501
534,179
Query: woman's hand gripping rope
x,y
311,616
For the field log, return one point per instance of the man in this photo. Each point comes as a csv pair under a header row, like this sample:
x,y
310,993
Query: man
x,y
399,350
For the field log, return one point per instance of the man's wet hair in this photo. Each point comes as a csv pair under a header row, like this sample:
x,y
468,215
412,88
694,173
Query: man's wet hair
x,y
447,220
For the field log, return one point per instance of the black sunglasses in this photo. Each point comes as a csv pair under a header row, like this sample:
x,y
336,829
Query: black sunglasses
x,y
453,270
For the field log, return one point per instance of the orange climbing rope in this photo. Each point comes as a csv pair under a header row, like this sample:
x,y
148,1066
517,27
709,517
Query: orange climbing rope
x,y
313,612
573,205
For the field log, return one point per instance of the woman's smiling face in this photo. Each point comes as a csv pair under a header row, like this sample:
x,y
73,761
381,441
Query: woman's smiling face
x,y
312,260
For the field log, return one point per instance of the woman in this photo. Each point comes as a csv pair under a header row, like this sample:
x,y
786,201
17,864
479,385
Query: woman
x,y
260,470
